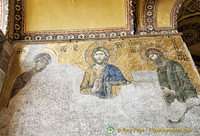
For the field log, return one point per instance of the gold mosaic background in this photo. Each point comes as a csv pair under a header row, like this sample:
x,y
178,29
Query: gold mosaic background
x,y
43,15
128,56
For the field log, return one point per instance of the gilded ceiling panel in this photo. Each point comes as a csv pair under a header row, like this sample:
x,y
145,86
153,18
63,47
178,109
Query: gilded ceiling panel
x,y
73,19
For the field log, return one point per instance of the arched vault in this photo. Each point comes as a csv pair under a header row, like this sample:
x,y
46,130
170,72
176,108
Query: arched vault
x,y
157,16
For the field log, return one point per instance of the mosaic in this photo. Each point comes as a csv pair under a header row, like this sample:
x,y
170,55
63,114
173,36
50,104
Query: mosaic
x,y
119,86
109,65
20,32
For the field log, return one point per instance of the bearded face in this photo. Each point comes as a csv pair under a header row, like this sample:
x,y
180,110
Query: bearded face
x,y
156,59
99,57
156,56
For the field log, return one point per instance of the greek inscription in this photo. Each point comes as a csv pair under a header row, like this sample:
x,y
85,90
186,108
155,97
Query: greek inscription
x,y
181,56
175,46
76,47
63,49
133,50
134,43
20,51
119,45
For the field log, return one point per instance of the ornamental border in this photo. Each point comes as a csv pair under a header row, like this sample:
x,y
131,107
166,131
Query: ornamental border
x,y
19,26
150,22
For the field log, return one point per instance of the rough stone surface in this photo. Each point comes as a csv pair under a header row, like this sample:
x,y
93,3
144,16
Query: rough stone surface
x,y
2,78
8,48
51,104
4,62
143,76
5,55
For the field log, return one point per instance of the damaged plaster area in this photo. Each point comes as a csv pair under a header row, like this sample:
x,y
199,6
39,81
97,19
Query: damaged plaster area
x,y
51,104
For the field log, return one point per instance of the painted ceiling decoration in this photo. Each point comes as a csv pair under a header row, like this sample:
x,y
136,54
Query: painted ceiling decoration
x,y
191,30
197,62
189,25
196,58
60,33
189,8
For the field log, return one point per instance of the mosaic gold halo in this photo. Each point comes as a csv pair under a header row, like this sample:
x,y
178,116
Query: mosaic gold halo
x,y
111,48
157,46
50,50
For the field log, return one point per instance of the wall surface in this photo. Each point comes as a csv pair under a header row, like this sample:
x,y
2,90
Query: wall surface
x,y
60,98
5,56
6,51
125,86
74,14
71,19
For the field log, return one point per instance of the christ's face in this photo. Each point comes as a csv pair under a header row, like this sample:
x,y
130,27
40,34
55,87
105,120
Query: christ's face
x,y
99,57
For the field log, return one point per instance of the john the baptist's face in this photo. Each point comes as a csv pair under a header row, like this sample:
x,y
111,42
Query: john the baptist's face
x,y
153,57
99,57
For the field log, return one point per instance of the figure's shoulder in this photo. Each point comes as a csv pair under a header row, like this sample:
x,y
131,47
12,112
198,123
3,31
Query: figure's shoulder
x,y
113,69
175,65
20,80
90,69
112,66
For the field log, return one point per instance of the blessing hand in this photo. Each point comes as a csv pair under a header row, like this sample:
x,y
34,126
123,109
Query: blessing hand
x,y
167,90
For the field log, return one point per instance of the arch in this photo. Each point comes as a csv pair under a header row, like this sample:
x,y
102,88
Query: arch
x,y
157,16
